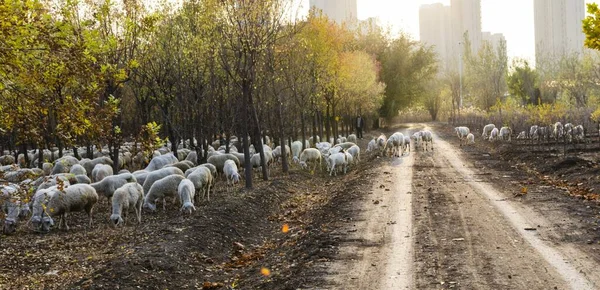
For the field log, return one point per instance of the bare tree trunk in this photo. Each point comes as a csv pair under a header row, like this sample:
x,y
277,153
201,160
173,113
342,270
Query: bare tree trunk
x,y
303,131
327,124
284,153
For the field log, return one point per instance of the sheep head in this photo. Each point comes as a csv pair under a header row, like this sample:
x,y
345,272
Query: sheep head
x,y
116,220
188,208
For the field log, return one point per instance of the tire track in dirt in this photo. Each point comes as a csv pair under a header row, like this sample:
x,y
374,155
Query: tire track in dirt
x,y
468,236
377,253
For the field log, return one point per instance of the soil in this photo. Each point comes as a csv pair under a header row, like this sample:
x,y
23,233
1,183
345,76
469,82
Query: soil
x,y
488,216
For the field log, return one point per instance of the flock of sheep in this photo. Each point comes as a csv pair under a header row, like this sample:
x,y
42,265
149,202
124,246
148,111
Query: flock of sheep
x,y
72,185
568,133
399,143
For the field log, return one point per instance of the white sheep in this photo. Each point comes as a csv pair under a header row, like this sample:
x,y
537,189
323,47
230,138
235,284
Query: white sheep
x,y
354,151
372,145
202,180
558,131
522,135
310,155
77,170
462,133
505,134
337,159
159,162
494,135
186,192
427,138
11,206
487,129
407,143
533,132
395,144
231,173
159,174
351,138
296,150
110,184
90,164
470,138
579,133
129,196
161,189
417,139
277,152
101,171
53,202
219,161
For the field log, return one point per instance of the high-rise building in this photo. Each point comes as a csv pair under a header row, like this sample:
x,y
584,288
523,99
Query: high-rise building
x,y
494,39
339,11
435,30
465,17
558,28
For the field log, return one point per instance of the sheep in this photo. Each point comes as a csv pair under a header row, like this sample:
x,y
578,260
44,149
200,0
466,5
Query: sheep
x,y
427,138
202,180
351,138
494,135
337,159
54,202
406,143
462,133
183,165
161,189
372,145
296,150
77,170
345,145
231,173
533,132
128,196
186,192
159,174
219,161
7,160
64,164
101,171
110,184
212,168
241,158
20,175
505,134
90,164
579,133
487,129
277,152
522,135
417,139
381,141
395,144
324,148
470,138
354,151
310,155
557,131
47,168
160,161
12,210
192,157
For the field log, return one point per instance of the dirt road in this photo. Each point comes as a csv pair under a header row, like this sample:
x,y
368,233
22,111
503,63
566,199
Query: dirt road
x,y
433,221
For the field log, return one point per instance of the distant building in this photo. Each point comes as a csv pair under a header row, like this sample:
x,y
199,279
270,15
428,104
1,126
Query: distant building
x,y
444,26
495,39
339,11
558,28
435,30
465,16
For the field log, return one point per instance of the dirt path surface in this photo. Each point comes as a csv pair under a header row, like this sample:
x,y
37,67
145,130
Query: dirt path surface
x,y
378,252
433,220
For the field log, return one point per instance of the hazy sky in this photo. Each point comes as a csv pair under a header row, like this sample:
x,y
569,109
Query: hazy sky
x,y
513,18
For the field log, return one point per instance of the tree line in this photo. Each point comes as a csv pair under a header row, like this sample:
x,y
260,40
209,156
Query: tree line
x,y
101,72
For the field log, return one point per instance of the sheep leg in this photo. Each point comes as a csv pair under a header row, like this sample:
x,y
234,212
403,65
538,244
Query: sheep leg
x,y
64,220
138,213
